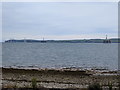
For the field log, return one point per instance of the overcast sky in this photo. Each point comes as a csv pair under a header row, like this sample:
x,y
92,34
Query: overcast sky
x,y
74,20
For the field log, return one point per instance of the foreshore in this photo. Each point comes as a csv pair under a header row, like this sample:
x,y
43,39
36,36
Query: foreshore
x,y
58,78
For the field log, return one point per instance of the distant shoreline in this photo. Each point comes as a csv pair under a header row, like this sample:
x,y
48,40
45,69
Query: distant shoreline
x,y
115,40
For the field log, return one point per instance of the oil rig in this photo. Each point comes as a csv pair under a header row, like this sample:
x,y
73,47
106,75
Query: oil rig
x,y
106,40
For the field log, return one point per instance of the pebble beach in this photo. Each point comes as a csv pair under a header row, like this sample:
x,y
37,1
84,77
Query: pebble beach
x,y
58,78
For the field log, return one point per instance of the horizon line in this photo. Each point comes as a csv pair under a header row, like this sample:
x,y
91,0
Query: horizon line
x,y
59,39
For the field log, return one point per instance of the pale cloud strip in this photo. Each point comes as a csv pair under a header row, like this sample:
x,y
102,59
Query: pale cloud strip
x,y
59,0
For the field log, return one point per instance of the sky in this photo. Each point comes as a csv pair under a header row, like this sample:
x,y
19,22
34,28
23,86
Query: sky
x,y
59,20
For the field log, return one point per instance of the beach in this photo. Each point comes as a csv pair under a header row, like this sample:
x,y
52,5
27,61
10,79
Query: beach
x,y
58,78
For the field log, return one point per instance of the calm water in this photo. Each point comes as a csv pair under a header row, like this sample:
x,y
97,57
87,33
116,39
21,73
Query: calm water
x,y
58,55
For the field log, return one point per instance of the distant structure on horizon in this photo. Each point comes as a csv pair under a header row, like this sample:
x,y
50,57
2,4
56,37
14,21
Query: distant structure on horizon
x,y
43,41
106,40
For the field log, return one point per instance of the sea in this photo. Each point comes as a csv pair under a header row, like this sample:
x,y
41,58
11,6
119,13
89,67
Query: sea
x,y
60,55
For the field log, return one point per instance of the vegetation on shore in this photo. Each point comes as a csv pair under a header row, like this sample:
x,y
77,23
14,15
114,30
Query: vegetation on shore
x,y
95,86
21,78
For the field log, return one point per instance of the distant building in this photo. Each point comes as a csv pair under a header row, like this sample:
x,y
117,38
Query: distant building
x,y
106,40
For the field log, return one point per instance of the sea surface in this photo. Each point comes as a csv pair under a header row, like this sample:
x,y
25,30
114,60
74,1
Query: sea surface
x,y
60,55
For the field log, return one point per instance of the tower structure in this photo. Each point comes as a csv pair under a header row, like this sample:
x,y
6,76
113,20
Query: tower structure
x,y
106,40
